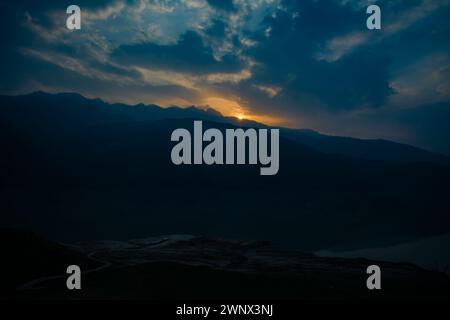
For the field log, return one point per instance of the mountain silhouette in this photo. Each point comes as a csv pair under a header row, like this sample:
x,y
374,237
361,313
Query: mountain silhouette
x,y
78,169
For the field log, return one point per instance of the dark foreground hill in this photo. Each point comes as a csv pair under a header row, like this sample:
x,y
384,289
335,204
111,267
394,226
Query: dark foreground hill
x,y
80,169
189,267
26,256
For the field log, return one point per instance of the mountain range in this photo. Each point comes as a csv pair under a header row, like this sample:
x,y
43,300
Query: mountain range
x,y
76,169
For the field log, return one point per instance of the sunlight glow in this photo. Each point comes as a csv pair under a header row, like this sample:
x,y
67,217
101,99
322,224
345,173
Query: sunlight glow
x,y
230,108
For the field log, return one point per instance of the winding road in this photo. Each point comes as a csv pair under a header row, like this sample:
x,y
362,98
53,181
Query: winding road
x,y
32,285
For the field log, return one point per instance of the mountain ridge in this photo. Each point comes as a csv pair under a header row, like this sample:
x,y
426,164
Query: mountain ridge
x,y
369,149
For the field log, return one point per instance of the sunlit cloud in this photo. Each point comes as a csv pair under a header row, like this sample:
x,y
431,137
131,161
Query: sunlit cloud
x,y
77,66
167,77
340,46
91,15
271,91
229,77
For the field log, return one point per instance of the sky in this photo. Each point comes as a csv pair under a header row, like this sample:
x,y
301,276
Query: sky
x,y
302,64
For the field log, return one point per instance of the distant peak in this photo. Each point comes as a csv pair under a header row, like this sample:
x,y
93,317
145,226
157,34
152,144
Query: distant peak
x,y
213,112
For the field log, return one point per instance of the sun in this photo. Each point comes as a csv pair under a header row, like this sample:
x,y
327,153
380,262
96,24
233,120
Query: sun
x,y
231,108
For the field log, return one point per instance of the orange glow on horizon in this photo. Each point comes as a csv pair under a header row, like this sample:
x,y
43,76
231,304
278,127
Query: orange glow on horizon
x,y
230,108
224,106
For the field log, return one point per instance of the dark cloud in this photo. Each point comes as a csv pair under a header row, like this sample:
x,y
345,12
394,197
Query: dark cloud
x,y
225,5
217,29
288,47
189,54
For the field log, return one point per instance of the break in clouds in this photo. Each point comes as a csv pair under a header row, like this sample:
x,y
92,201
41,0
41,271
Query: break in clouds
x,y
307,64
